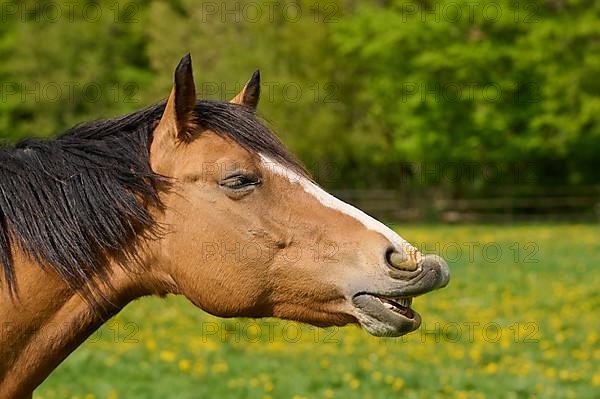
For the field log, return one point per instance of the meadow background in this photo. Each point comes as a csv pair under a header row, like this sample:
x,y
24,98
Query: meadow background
x,y
439,99
518,320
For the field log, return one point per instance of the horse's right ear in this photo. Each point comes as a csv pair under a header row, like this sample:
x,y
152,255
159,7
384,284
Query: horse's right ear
x,y
178,118
250,93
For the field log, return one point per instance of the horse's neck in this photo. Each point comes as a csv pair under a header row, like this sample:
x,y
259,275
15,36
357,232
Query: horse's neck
x,y
38,328
45,323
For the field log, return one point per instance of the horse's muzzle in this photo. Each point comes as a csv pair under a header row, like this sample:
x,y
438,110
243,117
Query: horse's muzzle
x,y
389,313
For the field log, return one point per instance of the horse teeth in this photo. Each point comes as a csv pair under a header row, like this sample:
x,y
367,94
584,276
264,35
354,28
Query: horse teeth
x,y
402,302
406,302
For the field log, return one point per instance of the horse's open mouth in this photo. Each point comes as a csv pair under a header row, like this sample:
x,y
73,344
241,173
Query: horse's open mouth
x,y
390,314
385,316
399,305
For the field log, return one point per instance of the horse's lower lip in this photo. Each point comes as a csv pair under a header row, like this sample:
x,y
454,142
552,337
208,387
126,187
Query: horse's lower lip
x,y
384,316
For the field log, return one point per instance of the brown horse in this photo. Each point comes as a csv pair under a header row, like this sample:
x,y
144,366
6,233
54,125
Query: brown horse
x,y
187,197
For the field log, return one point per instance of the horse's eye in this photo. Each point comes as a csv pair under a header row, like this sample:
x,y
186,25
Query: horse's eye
x,y
240,182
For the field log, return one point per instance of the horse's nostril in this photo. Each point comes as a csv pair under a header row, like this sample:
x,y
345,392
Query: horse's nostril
x,y
400,260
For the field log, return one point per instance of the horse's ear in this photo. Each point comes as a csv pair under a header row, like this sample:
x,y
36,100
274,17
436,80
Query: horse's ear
x,y
250,93
178,117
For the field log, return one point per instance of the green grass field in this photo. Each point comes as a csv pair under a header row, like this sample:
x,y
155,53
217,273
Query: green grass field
x,y
519,319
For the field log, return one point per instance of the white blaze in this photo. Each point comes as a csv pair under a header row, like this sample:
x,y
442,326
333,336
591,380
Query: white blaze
x,y
332,202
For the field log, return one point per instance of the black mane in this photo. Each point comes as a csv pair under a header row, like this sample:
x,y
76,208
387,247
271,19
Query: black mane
x,y
76,201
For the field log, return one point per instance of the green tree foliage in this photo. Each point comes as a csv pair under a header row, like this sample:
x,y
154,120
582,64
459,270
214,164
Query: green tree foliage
x,y
365,93
498,84
67,62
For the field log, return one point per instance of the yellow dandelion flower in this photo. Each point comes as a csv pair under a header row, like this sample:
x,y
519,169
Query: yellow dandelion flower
x,y
550,373
275,345
220,368
461,395
563,375
210,345
268,387
167,356
354,383
475,354
377,376
596,380
184,365
151,345
329,393
398,384
491,368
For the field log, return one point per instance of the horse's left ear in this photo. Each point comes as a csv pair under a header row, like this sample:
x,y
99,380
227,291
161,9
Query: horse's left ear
x,y
250,94
178,117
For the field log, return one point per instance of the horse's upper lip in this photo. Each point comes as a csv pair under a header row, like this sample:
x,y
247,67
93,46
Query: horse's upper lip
x,y
434,274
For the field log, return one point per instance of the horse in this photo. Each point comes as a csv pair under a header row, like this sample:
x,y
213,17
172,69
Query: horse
x,y
155,202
